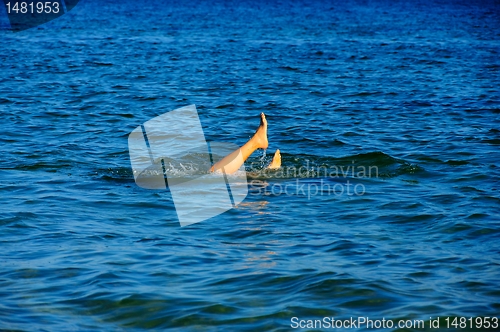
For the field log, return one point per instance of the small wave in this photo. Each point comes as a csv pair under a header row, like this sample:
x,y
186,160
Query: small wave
x,y
114,174
289,68
491,141
5,101
372,164
44,166
364,94
224,106
99,64
457,162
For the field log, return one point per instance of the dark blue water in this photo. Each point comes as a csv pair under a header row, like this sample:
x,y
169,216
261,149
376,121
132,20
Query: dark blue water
x,y
409,89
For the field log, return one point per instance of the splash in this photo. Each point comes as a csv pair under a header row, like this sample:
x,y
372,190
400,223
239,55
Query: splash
x,y
263,158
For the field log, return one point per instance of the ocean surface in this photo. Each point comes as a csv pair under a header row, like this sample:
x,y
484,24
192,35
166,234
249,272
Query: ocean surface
x,y
391,110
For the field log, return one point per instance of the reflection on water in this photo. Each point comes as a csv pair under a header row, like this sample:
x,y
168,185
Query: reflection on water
x,y
259,207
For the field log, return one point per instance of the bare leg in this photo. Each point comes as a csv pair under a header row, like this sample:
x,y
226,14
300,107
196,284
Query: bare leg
x,y
233,161
276,163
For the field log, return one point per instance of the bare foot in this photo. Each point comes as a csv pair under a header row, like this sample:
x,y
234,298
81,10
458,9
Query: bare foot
x,y
260,135
276,163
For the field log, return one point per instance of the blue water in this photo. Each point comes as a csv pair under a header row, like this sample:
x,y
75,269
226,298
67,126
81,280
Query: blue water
x,y
411,89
